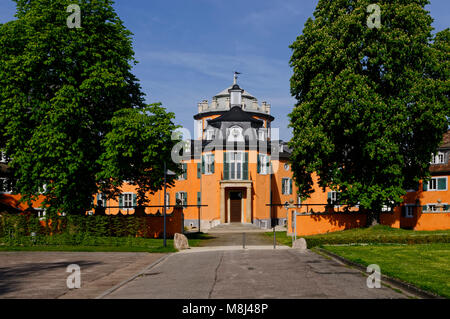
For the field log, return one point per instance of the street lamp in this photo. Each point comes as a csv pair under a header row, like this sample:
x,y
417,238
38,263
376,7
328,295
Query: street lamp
x,y
166,172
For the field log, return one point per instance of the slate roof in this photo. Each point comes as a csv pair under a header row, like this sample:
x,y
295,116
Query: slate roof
x,y
236,114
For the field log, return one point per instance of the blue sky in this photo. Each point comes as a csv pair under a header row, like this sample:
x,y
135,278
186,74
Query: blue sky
x,y
188,49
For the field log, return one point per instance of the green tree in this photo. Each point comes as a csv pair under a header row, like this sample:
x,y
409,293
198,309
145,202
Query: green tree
x,y
136,149
59,89
372,103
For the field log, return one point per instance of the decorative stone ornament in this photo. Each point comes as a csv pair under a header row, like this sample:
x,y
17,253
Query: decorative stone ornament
x,y
180,242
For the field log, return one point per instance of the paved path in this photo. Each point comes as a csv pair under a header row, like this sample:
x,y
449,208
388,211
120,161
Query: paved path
x,y
43,274
233,235
280,273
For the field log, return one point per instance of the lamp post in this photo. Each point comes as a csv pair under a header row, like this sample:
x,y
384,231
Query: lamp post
x,y
166,172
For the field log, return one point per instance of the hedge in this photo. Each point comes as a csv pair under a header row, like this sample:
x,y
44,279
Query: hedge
x,y
73,230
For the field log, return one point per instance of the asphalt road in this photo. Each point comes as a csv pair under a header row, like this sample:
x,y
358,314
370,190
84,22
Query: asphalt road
x,y
252,273
37,275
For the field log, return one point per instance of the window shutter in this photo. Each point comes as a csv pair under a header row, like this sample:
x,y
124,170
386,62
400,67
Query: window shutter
x,y
199,170
213,159
98,199
283,186
185,199
258,166
134,200
199,198
425,186
177,198
442,183
403,211
245,168
185,170
121,201
446,207
226,167
424,208
203,164
290,186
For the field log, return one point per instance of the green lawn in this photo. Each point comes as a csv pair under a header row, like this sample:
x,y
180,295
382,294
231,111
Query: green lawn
x,y
377,234
426,266
103,244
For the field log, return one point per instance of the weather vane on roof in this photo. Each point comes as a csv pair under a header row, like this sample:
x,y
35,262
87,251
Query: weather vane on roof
x,y
236,76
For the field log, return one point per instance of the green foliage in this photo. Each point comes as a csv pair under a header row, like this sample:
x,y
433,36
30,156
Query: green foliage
x,y
62,91
379,234
17,230
136,148
372,104
425,266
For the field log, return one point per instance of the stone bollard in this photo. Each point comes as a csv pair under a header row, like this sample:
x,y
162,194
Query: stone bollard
x,y
180,241
300,244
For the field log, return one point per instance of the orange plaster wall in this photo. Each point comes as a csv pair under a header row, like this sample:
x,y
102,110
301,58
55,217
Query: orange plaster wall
x,y
260,189
12,200
324,223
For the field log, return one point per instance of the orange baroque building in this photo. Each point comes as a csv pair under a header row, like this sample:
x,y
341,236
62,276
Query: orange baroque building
x,y
233,170
236,170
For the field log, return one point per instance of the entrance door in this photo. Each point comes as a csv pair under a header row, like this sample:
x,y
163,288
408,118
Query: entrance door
x,y
235,206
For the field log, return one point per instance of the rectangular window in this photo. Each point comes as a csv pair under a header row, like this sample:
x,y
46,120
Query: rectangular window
x,y
181,198
209,163
101,200
128,200
438,159
5,186
236,164
333,198
286,185
409,211
264,163
3,158
261,135
183,175
210,134
434,207
437,184
167,199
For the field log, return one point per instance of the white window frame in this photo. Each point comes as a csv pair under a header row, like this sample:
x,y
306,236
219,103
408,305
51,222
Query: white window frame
x,y
181,196
333,198
435,181
124,198
438,159
234,163
287,186
6,191
261,135
231,137
210,134
209,161
3,158
181,176
409,210
167,199
434,208
102,199
264,164
41,213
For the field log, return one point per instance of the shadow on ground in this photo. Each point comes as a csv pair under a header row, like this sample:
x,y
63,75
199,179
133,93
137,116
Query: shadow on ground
x,y
12,278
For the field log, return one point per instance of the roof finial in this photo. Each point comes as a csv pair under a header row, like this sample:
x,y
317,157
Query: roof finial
x,y
235,77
